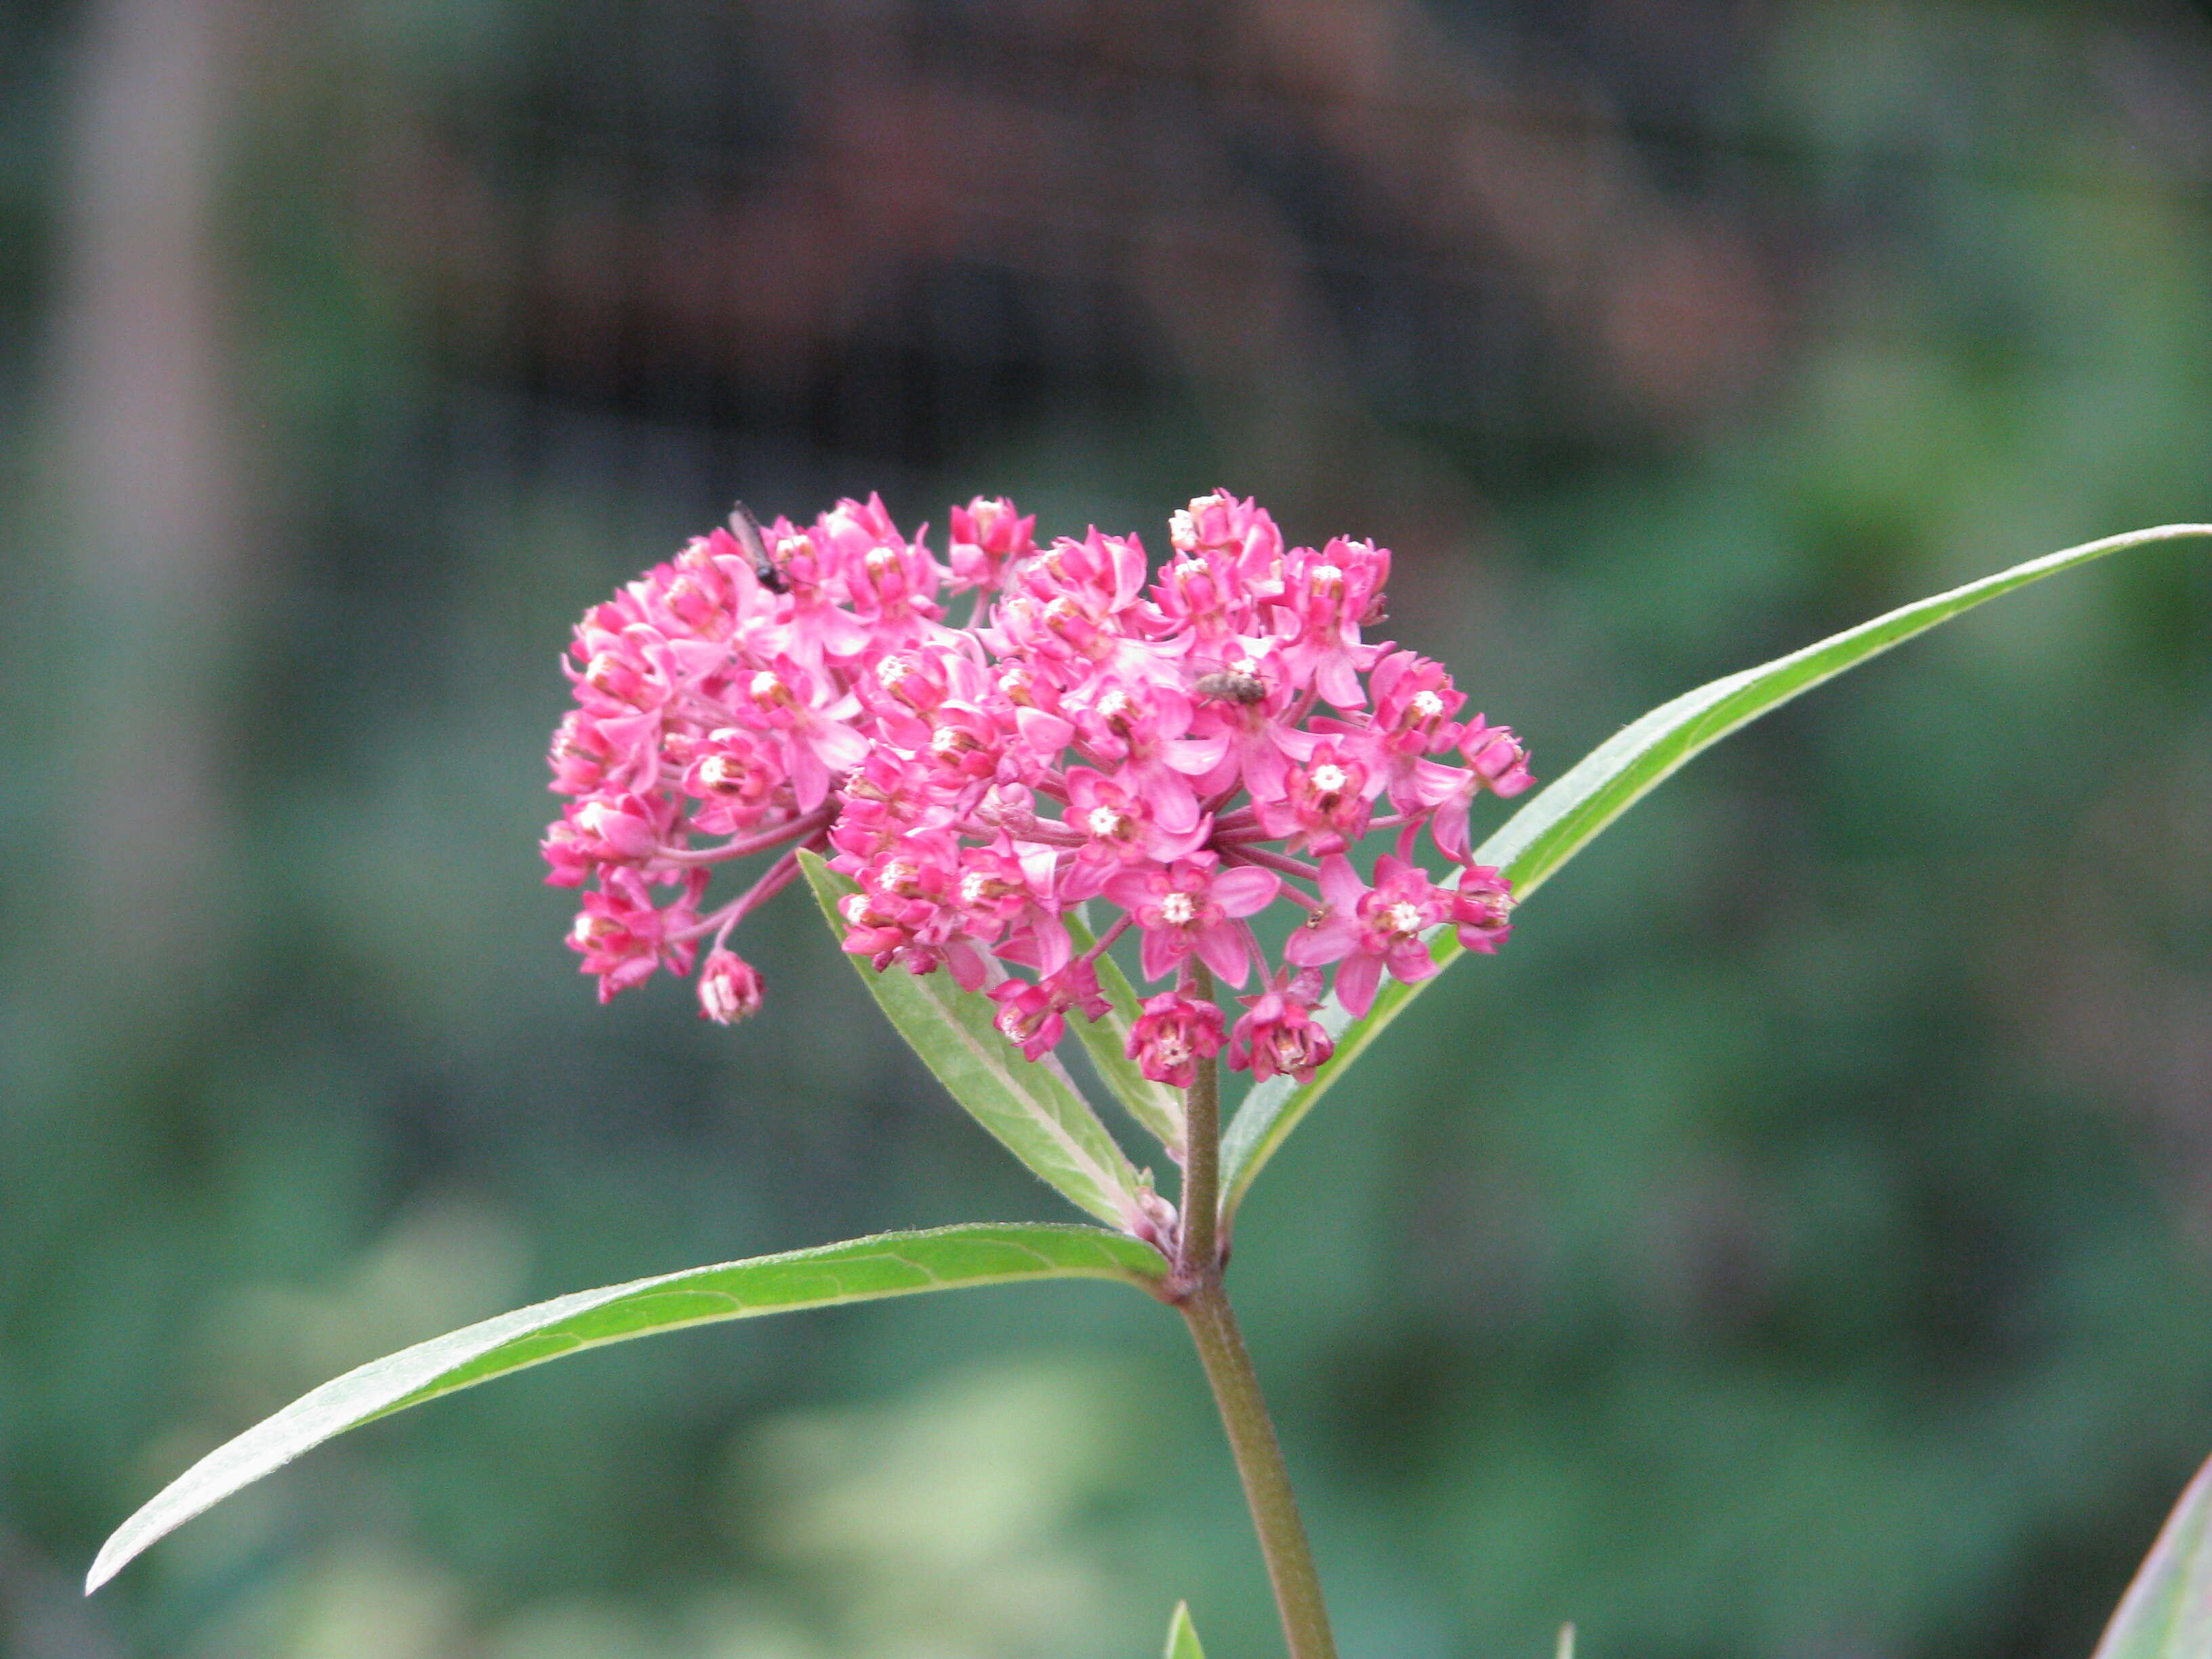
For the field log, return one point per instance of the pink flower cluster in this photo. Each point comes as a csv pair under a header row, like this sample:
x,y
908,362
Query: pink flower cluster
x,y
1185,747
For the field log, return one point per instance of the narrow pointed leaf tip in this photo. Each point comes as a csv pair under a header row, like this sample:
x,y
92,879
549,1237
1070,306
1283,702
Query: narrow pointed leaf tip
x,y
1561,819
1182,1636
1032,1107
2166,1612
858,1270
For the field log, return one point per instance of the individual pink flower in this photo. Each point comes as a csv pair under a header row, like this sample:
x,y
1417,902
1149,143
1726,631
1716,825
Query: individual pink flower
x,y
1414,702
1031,1016
1244,698
618,828
1008,892
1480,906
1119,828
1193,905
584,757
1280,1037
1328,597
1494,760
1324,803
1370,929
1497,757
624,937
806,707
1242,532
904,689
729,988
1172,1035
988,536
736,780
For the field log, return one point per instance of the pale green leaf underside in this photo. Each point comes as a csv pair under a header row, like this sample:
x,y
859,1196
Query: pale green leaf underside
x,y
2167,1611
1033,1108
1182,1636
1565,817
1155,1105
860,1270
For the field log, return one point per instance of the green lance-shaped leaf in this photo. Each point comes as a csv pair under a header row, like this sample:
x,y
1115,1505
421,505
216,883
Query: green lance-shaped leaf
x,y
1033,1107
860,1270
1563,818
1106,1040
1182,1636
2167,1611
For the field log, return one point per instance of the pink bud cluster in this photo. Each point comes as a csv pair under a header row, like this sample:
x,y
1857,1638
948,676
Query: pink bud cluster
x,y
1184,747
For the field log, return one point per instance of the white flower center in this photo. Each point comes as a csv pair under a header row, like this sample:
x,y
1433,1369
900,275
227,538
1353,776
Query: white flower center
x,y
1427,704
1328,779
593,818
898,875
974,888
720,772
879,560
1113,705
1403,918
1327,575
1105,821
946,740
1177,909
892,670
766,687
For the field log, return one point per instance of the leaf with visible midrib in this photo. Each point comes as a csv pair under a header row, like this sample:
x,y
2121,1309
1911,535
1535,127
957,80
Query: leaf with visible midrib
x,y
1182,1636
860,1270
2166,1612
1033,1107
1566,815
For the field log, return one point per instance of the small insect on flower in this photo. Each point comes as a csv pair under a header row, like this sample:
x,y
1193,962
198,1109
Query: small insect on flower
x,y
746,528
1231,687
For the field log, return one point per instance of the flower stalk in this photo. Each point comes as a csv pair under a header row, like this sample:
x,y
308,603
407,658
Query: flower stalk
x,y
1202,1299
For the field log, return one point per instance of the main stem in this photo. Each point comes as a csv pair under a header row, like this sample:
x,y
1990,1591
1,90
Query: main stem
x,y
1204,1304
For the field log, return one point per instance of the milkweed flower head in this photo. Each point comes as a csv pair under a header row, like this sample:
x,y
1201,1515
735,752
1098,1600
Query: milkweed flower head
x,y
1185,748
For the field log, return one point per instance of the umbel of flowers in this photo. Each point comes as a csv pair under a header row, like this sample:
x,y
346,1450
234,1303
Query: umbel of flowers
x,y
1180,748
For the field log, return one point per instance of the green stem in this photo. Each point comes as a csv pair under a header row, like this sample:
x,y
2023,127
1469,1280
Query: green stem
x,y
1198,1250
1204,1304
1258,1456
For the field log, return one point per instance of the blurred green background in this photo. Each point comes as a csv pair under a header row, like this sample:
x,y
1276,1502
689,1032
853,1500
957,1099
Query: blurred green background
x,y
1799,1242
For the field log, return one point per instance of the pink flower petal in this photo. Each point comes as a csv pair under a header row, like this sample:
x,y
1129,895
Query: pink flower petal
x,y
1318,944
1222,948
1340,884
1356,982
1242,890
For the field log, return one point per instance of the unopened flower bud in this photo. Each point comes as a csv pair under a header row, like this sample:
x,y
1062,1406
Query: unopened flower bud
x,y
729,988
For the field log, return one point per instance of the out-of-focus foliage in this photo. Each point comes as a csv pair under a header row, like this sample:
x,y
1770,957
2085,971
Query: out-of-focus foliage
x,y
1795,1241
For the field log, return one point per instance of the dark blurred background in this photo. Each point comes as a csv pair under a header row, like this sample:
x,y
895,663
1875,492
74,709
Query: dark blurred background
x,y
1799,1242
